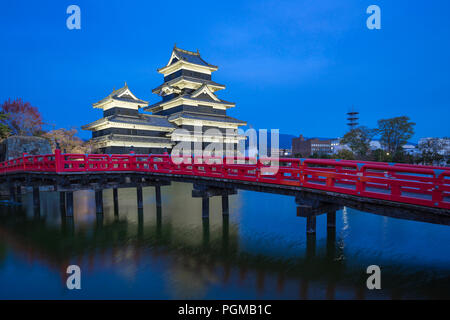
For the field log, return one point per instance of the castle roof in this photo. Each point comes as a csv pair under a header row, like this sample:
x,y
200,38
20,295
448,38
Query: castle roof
x,y
123,94
192,57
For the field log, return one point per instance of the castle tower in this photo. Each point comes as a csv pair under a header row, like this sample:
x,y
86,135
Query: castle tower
x,y
189,102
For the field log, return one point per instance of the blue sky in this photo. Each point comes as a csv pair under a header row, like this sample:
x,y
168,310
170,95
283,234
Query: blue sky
x,y
297,66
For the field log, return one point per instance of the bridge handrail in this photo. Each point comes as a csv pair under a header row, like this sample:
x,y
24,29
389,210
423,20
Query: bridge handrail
x,y
421,185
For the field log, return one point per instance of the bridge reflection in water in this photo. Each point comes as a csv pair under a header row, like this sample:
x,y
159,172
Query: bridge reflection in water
x,y
259,251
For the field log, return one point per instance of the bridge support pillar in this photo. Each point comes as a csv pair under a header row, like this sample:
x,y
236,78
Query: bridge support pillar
x,y
140,202
62,202
36,199
311,224
205,192
99,201
331,219
206,235
158,195
310,209
116,202
205,207
19,194
69,204
12,193
225,208
225,232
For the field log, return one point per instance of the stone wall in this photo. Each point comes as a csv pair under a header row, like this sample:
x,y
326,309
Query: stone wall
x,y
15,146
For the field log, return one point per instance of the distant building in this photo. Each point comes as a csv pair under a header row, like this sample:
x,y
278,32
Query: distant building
x,y
188,102
409,148
281,153
308,147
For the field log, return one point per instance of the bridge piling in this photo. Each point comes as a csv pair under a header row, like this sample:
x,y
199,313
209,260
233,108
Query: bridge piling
x,y
140,202
12,193
205,207
116,202
311,224
310,245
331,219
225,207
225,232
36,197
206,235
62,202
69,204
140,224
19,194
158,195
99,201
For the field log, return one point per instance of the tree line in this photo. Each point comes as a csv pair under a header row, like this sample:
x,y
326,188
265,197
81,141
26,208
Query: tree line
x,y
393,134
19,118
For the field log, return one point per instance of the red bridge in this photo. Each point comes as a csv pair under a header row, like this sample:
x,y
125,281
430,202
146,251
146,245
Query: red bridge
x,y
403,183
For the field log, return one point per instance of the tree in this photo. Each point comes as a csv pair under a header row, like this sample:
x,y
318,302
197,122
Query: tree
x,y
395,133
358,140
344,155
431,150
4,129
68,141
22,118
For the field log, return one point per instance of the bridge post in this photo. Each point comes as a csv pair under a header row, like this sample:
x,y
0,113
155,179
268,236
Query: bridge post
x,y
140,224
67,226
158,195
116,202
62,202
225,208
310,245
225,232
205,207
12,193
311,224
99,218
36,199
99,201
69,204
19,193
206,236
140,202
158,221
331,219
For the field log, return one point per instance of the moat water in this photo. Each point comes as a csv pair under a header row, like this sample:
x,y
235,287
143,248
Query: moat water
x,y
260,252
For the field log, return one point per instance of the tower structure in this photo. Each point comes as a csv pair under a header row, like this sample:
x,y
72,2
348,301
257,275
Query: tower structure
x,y
352,118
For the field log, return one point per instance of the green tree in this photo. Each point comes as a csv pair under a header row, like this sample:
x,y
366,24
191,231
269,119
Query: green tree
x,y
381,156
5,131
359,139
395,133
344,155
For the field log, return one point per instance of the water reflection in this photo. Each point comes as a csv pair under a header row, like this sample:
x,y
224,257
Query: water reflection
x,y
166,250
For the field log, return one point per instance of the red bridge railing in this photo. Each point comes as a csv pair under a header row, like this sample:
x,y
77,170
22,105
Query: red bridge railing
x,y
414,184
